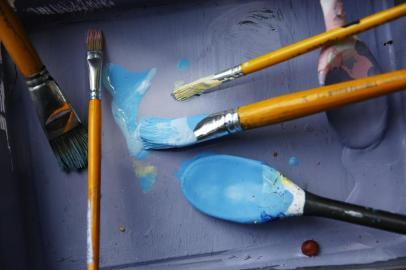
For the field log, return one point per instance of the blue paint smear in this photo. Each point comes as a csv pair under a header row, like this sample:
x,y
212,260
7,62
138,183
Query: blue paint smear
x,y
183,64
293,161
127,89
234,188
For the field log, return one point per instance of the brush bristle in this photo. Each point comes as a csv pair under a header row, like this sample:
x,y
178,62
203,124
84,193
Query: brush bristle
x,y
71,149
94,40
186,91
164,133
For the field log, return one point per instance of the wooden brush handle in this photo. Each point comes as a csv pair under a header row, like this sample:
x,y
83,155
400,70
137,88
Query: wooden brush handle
x,y
94,175
299,104
323,207
319,40
17,43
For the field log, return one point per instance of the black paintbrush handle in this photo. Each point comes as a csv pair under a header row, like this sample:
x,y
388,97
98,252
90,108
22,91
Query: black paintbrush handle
x,y
323,207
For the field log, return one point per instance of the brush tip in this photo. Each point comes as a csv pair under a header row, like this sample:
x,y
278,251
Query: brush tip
x,y
94,40
70,149
164,133
186,91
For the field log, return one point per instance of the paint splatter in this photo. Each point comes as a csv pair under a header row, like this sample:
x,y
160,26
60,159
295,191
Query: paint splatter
x,y
310,248
146,175
293,161
128,89
183,64
239,189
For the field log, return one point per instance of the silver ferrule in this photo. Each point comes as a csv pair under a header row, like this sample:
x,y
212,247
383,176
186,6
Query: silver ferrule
x,y
95,63
229,74
54,112
217,125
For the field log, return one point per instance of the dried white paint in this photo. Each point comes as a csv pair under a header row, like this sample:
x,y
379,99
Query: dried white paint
x,y
298,201
354,213
89,234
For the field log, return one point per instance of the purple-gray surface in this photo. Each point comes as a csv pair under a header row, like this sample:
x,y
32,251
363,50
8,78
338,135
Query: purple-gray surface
x,y
161,229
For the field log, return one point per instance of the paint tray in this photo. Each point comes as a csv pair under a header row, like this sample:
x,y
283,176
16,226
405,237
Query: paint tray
x,y
43,210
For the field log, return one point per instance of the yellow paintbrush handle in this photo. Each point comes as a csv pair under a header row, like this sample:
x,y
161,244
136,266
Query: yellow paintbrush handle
x,y
299,104
94,173
17,43
319,40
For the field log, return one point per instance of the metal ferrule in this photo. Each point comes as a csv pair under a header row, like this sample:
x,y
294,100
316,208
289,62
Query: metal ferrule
x,y
55,114
95,62
229,74
218,125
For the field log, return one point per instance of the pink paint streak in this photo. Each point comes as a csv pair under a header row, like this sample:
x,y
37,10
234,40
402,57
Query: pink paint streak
x,y
342,54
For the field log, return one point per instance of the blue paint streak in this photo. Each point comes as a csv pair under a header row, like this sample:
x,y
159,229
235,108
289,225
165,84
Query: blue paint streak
x,y
234,188
147,181
127,89
293,161
183,64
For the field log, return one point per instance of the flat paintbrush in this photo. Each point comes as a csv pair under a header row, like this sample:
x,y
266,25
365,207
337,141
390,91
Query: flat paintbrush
x,y
66,134
186,91
161,133
95,63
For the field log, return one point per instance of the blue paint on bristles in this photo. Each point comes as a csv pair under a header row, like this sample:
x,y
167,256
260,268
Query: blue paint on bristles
x,y
163,133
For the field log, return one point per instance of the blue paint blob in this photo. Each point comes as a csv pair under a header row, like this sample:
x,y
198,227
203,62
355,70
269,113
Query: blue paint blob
x,y
183,64
238,189
127,89
293,161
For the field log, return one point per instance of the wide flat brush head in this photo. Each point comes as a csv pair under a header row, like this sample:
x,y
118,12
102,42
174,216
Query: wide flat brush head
x,y
94,40
164,133
70,149
186,91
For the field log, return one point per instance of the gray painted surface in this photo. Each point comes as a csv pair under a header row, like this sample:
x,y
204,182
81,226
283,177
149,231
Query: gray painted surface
x,y
161,229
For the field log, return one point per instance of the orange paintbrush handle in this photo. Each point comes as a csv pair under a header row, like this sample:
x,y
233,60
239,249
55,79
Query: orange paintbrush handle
x,y
325,38
94,173
299,104
17,43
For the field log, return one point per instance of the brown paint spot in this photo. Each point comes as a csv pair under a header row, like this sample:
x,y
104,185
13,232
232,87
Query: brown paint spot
x,y
310,248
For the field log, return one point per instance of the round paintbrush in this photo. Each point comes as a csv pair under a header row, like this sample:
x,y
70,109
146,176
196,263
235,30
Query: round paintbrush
x,y
186,91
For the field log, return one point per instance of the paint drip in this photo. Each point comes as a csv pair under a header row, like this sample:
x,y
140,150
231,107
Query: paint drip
x,y
238,189
293,161
183,64
127,89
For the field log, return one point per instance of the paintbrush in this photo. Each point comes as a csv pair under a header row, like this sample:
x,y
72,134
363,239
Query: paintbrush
x,y
95,63
65,132
186,91
161,133
248,191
